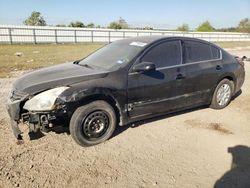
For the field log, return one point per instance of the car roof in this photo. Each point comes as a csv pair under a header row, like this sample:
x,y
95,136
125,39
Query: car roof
x,y
151,39
145,39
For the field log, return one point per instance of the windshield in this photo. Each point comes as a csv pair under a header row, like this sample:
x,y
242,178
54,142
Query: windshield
x,y
112,56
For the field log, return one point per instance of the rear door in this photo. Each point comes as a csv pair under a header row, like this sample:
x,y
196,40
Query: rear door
x,y
160,90
203,64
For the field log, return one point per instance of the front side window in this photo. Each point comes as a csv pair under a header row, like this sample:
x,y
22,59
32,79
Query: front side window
x,y
164,55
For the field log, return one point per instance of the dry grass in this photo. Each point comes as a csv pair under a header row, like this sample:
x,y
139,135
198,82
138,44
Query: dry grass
x,y
41,55
233,44
36,56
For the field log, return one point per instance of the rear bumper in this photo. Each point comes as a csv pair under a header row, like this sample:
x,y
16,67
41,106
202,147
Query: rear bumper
x,y
240,80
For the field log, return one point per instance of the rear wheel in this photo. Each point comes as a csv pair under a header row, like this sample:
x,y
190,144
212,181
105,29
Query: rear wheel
x,y
93,123
222,94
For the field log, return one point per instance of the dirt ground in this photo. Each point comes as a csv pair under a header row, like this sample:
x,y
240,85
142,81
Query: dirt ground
x,y
191,149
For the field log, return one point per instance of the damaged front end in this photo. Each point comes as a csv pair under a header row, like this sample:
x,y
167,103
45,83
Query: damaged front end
x,y
14,104
38,121
39,112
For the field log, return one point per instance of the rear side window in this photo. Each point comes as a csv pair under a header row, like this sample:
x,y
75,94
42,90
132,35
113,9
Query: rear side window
x,y
196,51
164,54
215,52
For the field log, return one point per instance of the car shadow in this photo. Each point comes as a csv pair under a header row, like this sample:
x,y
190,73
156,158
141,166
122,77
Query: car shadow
x,y
237,95
239,174
36,135
121,129
64,128
61,129
57,129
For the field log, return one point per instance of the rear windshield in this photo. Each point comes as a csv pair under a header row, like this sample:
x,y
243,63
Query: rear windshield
x,y
112,56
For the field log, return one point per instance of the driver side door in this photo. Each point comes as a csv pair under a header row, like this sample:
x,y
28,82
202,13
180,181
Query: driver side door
x,y
158,90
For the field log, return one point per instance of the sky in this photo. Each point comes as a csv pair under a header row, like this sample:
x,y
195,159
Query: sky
x,y
167,14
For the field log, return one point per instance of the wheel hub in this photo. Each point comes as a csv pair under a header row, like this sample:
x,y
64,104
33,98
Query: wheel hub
x,y
223,94
95,124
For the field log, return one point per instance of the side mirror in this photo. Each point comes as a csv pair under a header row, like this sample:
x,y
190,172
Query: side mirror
x,y
144,67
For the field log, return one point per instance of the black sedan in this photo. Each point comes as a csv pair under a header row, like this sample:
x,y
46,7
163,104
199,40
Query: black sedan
x,y
123,82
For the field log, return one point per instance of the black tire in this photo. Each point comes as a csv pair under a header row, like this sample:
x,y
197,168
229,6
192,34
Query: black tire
x,y
215,103
85,123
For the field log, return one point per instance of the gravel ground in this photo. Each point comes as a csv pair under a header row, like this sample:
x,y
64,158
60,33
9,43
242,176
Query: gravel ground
x,y
191,149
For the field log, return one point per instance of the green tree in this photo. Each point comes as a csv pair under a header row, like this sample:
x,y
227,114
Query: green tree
x,y
228,29
123,23
61,25
91,25
76,24
244,25
120,24
205,27
147,28
183,27
114,25
35,19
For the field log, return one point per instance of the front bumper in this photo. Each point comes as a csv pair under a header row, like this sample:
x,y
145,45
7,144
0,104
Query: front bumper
x,y
13,108
36,121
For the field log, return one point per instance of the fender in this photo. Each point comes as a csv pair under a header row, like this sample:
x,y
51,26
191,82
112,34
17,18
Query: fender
x,y
79,97
229,76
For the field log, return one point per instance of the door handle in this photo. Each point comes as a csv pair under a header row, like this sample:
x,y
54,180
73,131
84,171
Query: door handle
x,y
218,67
180,77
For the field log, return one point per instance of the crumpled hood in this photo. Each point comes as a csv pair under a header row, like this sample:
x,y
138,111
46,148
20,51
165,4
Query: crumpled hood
x,y
55,76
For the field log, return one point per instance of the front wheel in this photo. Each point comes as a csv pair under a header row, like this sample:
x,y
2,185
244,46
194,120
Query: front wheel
x,y
93,123
222,94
